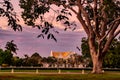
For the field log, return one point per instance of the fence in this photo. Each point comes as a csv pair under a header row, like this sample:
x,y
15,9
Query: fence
x,y
51,70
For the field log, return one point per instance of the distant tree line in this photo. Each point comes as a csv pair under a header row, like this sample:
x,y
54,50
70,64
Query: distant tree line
x,y
7,58
111,60
35,60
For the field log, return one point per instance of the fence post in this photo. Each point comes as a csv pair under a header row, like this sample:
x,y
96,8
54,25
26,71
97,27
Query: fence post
x,y
12,71
37,71
59,71
83,72
103,71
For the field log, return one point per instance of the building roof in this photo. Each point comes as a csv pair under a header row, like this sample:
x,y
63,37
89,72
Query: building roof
x,y
63,55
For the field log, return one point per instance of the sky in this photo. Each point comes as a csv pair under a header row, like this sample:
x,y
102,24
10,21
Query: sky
x,y
28,43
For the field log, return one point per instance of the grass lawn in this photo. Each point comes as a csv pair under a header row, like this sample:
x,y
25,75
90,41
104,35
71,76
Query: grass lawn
x,y
33,76
48,71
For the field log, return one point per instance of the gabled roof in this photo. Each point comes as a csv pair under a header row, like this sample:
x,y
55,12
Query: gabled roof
x,y
63,55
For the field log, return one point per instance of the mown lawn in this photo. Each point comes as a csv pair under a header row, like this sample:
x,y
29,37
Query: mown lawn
x,y
34,76
48,71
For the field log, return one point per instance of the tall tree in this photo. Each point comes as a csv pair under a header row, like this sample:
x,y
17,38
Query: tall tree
x,y
111,59
11,46
99,18
35,59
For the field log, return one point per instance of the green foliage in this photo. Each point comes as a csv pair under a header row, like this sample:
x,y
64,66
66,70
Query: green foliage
x,y
85,50
51,60
89,10
5,57
85,47
35,59
112,59
36,55
16,61
7,10
1,60
37,10
33,10
112,10
11,46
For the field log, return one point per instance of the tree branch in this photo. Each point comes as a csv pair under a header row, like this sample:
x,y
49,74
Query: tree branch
x,y
103,37
103,22
111,36
113,27
117,33
65,6
80,18
101,1
109,40
83,23
82,10
117,19
96,26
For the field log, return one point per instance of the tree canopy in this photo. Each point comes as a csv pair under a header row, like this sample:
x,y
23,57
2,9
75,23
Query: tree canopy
x,y
11,46
7,10
100,20
5,57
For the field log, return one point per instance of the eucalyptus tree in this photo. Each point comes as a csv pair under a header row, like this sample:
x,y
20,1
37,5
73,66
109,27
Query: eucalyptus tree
x,y
100,20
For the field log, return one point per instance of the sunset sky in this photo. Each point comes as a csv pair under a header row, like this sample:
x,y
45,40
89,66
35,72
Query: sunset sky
x,y
28,43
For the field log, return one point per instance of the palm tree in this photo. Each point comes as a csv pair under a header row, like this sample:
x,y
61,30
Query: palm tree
x,y
11,46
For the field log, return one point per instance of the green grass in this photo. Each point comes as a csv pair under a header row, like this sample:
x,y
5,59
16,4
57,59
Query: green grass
x,y
49,71
29,70
109,75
